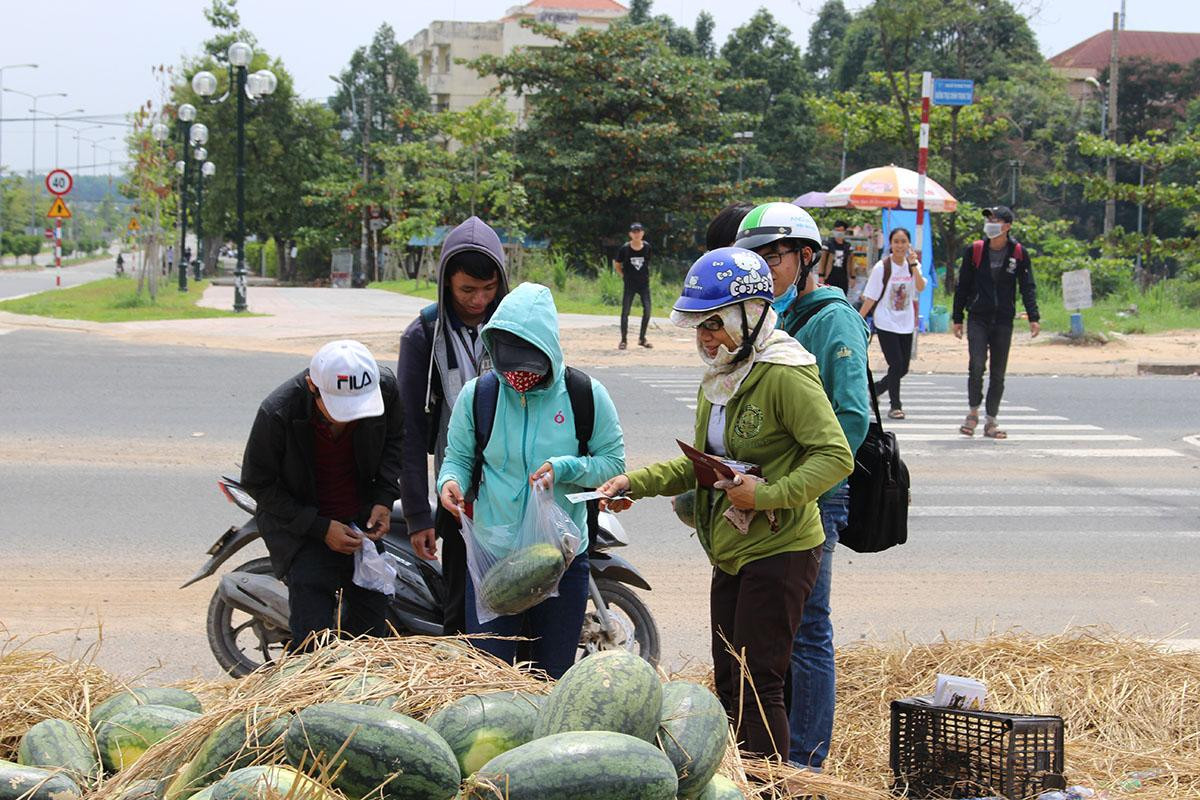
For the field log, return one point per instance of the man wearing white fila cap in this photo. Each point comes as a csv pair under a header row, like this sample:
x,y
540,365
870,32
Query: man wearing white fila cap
x,y
324,454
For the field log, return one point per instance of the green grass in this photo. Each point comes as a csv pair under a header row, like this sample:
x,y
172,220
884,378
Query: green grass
x,y
115,300
1158,310
580,295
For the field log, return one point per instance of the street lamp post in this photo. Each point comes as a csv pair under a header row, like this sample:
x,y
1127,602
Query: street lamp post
x,y
33,156
742,136
203,169
360,279
1109,216
185,114
57,125
246,84
2,69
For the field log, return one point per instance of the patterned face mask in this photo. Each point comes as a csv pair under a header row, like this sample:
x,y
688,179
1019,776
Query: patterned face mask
x,y
522,380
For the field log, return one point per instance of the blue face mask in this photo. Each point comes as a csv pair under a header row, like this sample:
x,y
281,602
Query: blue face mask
x,y
781,303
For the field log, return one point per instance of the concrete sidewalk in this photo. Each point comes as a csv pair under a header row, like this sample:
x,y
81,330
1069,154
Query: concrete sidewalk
x,y
299,320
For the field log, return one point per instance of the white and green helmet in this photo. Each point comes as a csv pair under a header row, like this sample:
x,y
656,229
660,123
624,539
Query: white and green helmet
x,y
771,222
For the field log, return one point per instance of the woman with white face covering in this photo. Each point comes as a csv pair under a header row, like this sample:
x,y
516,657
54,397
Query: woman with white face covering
x,y
760,402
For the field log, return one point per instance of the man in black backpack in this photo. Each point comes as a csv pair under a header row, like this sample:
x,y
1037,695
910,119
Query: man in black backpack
x,y
440,351
988,279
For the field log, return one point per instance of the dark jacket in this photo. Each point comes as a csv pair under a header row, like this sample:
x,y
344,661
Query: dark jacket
x,y
988,301
430,377
277,467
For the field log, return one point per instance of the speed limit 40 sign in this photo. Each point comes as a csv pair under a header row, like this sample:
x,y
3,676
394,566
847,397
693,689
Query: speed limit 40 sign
x,y
59,182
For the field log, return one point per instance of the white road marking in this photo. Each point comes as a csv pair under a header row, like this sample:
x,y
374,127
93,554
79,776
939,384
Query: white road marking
x,y
959,418
935,405
1002,510
1193,439
1010,426
1016,437
1009,490
1100,452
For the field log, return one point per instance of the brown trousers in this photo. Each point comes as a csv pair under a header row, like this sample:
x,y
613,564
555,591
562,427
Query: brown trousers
x,y
756,613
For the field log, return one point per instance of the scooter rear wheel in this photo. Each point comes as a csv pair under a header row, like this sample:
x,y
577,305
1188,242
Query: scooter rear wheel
x,y
241,643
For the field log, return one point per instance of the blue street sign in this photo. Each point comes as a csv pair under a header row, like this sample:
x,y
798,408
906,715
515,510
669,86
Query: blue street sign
x,y
953,92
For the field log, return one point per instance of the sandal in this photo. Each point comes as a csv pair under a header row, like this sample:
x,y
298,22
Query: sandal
x,y
622,346
992,431
896,413
646,344
969,424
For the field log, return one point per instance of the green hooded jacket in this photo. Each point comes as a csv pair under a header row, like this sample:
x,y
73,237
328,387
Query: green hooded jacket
x,y
781,420
533,428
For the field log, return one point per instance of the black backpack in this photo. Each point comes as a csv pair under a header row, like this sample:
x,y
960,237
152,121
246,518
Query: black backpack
x,y
879,485
583,408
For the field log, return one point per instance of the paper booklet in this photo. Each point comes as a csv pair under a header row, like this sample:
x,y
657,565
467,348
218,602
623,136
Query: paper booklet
x,y
709,469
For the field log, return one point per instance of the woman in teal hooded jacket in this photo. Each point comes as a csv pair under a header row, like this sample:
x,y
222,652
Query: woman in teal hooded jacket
x,y
533,437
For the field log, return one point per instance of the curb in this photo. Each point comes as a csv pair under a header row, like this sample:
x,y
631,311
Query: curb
x,y
1167,368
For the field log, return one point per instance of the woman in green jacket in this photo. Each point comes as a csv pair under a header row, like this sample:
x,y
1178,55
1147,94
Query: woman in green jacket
x,y
760,402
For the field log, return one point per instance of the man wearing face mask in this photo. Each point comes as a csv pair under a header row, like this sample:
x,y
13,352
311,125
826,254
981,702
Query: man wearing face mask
x,y
822,320
533,438
988,279
836,258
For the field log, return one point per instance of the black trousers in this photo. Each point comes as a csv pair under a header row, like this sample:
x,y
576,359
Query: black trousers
x,y
454,573
897,350
757,613
984,337
315,580
631,291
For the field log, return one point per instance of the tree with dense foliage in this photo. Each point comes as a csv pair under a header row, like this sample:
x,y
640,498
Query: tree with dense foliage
x,y
621,127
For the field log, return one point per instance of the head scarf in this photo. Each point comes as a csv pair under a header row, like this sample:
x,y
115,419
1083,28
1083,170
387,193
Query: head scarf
x,y
724,375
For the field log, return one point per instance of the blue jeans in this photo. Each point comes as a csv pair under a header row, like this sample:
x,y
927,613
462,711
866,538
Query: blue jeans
x,y
811,714
554,624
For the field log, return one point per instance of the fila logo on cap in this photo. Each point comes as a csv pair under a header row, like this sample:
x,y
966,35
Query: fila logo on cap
x,y
355,383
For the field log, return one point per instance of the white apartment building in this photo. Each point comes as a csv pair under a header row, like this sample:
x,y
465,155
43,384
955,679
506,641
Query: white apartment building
x,y
453,86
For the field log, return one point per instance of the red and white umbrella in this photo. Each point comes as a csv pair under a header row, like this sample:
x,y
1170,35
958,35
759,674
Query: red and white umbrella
x,y
888,187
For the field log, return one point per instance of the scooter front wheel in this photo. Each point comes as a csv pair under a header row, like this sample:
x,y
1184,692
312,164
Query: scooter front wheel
x,y
631,628
240,642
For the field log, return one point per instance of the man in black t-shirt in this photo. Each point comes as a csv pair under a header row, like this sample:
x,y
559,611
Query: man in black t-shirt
x,y
633,265
836,258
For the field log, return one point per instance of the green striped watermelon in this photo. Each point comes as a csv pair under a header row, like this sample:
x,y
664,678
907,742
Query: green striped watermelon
x,y
521,580
142,790
612,690
693,732
721,788
581,765
177,698
57,744
266,783
368,690
379,749
125,736
236,744
19,782
480,727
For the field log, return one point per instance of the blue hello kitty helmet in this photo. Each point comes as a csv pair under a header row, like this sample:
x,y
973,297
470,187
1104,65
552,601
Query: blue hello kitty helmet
x,y
724,277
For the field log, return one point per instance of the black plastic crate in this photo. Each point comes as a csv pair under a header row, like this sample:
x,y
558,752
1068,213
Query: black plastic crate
x,y
945,752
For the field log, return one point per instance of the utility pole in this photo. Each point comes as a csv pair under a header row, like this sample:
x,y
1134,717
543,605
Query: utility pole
x,y
1110,206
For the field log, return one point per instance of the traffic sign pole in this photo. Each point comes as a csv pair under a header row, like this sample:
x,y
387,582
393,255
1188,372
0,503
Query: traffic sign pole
x,y
58,251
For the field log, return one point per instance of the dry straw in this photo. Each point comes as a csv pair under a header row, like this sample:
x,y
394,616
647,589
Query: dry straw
x,y
1129,705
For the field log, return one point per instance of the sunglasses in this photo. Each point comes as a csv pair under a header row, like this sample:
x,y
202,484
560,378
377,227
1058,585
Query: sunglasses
x,y
712,324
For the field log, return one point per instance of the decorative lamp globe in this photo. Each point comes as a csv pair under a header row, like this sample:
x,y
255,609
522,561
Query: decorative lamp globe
x,y
209,169
204,83
186,112
160,132
179,167
199,154
268,81
240,54
199,133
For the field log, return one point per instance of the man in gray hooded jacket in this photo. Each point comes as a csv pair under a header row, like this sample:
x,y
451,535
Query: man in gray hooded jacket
x,y
439,352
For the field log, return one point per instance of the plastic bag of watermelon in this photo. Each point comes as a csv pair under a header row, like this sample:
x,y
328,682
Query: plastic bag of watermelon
x,y
515,567
372,570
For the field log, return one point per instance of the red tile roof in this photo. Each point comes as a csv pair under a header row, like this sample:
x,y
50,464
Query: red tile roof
x,y
1094,53
576,5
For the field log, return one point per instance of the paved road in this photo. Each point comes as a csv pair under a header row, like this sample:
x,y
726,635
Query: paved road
x,y
14,283
109,455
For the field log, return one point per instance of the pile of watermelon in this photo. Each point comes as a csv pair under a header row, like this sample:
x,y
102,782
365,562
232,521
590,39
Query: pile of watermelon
x,y
608,730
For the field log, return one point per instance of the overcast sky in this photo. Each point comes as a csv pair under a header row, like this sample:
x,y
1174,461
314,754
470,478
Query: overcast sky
x,y
100,52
